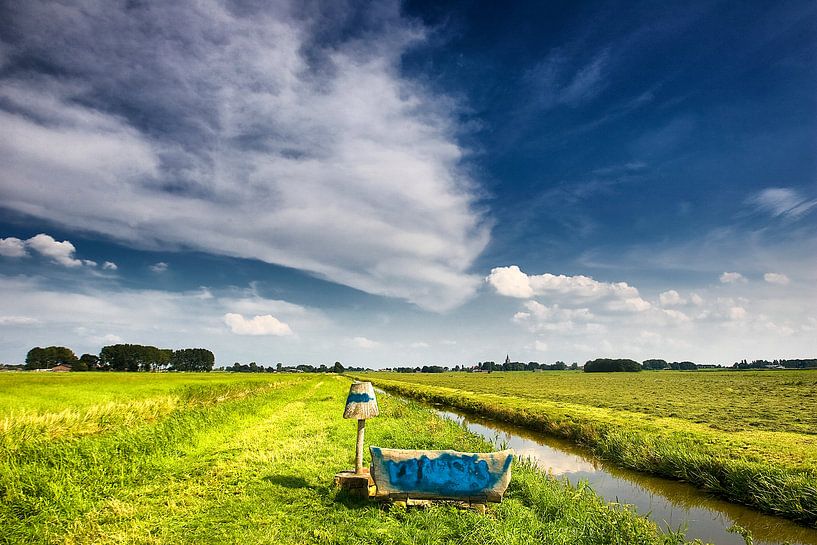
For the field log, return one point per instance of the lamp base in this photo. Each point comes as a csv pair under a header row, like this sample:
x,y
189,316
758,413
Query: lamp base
x,y
358,485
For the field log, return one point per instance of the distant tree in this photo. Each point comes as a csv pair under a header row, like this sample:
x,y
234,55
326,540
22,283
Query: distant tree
x,y
608,365
46,358
134,357
338,367
86,362
91,361
654,365
192,359
574,366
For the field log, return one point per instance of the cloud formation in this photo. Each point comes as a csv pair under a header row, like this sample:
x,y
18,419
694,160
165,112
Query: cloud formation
x,y
776,278
782,202
253,132
363,342
513,282
12,247
159,267
258,325
61,253
732,278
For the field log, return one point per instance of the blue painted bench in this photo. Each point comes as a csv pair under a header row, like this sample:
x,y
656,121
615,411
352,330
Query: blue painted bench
x,y
441,474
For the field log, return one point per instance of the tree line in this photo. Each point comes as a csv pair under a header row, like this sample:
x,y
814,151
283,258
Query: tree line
x,y
777,364
122,357
253,367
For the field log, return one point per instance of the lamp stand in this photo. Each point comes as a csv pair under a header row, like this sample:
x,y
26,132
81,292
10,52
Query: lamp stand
x,y
361,430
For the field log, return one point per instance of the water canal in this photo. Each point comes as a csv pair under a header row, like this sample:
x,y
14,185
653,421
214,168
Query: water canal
x,y
670,504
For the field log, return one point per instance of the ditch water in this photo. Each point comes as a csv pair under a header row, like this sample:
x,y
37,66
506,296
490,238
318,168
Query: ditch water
x,y
670,504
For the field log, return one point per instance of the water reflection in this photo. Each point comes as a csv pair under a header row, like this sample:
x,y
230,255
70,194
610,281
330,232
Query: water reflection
x,y
670,504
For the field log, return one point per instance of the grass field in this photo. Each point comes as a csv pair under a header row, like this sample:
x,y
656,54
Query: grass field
x,y
750,437
158,458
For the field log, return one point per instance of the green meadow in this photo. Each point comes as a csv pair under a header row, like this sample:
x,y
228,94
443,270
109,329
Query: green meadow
x,y
218,458
749,437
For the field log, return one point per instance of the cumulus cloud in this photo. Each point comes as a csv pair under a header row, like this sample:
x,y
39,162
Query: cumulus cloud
x,y
12,247
363,342
59,252
776,278
513,282
782,201
671,298
732,278
258,325
159,267
273,132
109,266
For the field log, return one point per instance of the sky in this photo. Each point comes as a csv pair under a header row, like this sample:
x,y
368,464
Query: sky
x,y
408,183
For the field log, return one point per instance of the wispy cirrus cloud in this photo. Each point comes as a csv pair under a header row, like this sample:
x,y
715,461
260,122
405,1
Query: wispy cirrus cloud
x,y
782,202
251,132
559,80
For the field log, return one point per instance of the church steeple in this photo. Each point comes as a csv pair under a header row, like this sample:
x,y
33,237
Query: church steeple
x,y
507,358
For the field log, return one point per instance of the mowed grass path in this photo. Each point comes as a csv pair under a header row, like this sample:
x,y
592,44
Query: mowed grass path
x,y
252,461
750,437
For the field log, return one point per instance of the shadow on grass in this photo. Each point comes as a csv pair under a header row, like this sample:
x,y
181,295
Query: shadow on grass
x,y
288,481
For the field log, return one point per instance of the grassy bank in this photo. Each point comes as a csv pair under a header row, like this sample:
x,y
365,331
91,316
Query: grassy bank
x,y
251,461
623,418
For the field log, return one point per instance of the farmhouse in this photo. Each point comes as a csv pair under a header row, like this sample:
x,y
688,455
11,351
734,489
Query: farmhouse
x,y
61,368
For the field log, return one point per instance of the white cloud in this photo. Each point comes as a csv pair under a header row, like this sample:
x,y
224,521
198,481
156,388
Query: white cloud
x,y
258,325
671,298
18,320
363,342
12,247
541,346
419,344
106,339
629,304
776,278
696,299
732,278
676,315
243,136
737,313
59,252
782,201
159,267
512,282
109,266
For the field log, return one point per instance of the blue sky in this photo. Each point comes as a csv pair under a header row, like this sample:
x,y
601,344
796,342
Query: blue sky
x,y
406,183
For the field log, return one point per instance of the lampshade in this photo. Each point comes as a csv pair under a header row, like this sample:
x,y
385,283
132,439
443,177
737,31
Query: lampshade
x,y
361,402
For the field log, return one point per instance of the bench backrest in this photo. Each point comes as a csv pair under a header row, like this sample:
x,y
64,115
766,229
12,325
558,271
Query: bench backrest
x,y
441,474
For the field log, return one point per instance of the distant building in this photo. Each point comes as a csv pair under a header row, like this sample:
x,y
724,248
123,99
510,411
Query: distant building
x,y
507,359
61,368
